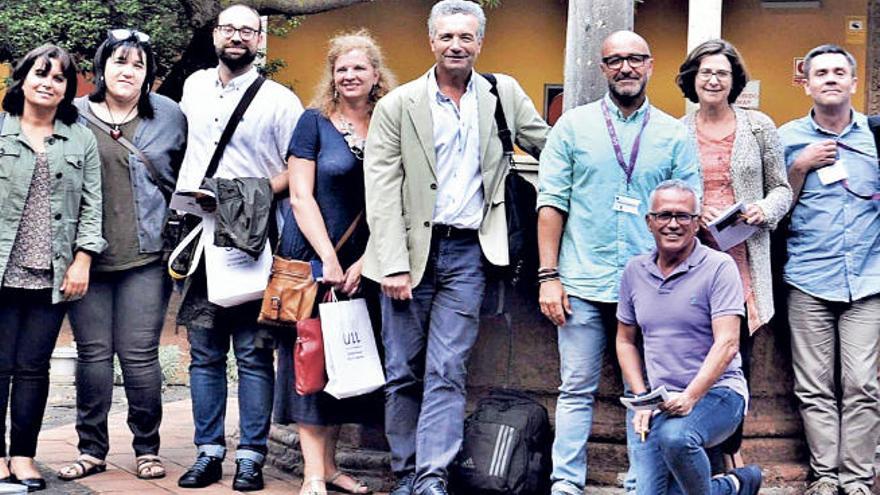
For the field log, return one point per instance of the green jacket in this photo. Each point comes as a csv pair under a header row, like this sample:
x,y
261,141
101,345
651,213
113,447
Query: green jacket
x,y
75,200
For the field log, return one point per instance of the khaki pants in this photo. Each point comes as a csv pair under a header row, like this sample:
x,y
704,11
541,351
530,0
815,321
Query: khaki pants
x,y
824,335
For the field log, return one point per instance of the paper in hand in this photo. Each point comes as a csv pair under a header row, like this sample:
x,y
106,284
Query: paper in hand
x,y
730,229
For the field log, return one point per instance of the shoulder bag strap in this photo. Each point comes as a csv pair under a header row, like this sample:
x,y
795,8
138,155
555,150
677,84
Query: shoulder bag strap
x,y
504,133
237,114
154,174
874,125
348,232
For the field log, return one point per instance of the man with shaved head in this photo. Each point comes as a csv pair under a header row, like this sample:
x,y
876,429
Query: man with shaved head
x,y
257,149
601,162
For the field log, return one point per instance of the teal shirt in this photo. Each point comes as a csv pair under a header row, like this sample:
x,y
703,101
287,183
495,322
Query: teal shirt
x,y
75,192
580,176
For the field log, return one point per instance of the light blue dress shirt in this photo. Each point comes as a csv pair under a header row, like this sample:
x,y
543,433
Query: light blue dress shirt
x,y
579,175
834,240
457,148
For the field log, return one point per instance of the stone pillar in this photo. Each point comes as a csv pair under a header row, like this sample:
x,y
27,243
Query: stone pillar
x,y
872,65
704,24
589,22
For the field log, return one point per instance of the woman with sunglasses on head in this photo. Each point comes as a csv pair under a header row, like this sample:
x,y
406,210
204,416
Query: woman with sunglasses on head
x,y
325,163
741,161
50,196
140,139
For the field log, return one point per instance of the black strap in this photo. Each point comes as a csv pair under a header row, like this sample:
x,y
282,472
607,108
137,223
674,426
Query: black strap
x,y
500,121
237,114
167,189
874,125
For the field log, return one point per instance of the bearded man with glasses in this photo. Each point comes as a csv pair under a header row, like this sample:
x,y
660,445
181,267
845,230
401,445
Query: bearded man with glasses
x,y
601,162
256,150
686,300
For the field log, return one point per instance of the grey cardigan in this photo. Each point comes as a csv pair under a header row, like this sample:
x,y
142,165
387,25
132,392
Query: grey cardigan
x,y
757,171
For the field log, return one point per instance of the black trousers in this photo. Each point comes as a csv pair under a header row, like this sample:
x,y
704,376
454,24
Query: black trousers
x,y
29,326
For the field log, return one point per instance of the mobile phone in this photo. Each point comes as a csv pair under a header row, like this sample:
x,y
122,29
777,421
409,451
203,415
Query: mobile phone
x,y
317,270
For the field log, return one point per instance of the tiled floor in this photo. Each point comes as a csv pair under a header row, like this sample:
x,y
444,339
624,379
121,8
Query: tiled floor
x,y
58,447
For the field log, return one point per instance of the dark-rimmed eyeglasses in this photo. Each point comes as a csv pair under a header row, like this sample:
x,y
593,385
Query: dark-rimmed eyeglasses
x,y
664,217
123,34
634,60
246,33
721,75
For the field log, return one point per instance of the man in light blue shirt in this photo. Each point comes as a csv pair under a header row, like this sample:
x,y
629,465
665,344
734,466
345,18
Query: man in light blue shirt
x,y
833,274
601,162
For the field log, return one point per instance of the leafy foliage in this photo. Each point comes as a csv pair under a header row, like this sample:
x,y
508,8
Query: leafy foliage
x,y
81,25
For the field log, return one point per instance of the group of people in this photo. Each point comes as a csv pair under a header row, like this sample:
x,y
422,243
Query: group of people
x,y
417,174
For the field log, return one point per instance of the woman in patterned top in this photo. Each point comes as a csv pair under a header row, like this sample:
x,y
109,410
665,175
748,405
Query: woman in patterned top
x,y
741,161
50,196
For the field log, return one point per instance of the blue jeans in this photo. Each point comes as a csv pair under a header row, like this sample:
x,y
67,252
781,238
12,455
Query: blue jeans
x,y
256,375
582,343
427,343
673,458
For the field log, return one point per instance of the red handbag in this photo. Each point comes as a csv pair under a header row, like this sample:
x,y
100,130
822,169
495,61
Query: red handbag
x,y
308,357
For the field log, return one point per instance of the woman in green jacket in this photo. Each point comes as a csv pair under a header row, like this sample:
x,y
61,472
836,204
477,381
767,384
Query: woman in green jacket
x,y
50,226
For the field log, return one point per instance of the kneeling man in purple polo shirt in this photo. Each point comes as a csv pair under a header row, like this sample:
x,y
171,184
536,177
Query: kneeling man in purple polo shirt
x,y
686,300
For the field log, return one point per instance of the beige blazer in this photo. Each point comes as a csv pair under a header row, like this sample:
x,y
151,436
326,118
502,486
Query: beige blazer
x,y
400,174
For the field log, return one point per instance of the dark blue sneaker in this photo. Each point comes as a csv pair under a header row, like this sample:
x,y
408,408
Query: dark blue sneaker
x,y
749,477
405,485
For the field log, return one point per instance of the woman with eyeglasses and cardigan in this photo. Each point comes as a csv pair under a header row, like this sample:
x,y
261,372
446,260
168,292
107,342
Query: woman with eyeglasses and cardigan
x,y
124,311
325,163
50,229
741,161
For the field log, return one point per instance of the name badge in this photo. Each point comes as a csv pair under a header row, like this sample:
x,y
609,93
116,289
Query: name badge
x,y
626,204
833,173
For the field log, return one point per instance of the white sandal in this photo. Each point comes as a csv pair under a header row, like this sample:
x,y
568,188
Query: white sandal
x,y
314,486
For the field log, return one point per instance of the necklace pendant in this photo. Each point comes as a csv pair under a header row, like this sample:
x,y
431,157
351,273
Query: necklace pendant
x,y
115,133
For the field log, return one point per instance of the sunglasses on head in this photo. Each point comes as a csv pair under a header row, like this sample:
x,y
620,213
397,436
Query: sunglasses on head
x,y
127,34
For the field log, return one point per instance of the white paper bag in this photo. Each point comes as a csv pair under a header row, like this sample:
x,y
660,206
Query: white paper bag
x,y
350,354
234,277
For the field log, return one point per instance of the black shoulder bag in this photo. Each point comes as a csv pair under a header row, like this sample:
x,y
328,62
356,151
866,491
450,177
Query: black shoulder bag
x,y
520,202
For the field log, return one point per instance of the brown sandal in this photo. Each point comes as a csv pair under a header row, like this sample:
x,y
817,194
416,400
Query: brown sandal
x,y
84,465
150,467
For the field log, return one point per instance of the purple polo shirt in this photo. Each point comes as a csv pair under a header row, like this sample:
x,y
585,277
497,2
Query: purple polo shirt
x,y
675,314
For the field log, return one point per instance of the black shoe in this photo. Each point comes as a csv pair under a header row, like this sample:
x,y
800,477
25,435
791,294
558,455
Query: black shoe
x,y
248,476
750,478
205,471
32,484
434,487
404,485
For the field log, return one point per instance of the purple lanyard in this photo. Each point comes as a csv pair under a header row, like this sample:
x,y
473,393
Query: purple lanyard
x,y
615,142
845,183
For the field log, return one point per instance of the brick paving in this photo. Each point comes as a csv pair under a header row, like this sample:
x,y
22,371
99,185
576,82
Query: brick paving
x,y
57,447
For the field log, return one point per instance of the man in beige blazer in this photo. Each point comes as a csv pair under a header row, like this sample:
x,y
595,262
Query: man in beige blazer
x,y
434,172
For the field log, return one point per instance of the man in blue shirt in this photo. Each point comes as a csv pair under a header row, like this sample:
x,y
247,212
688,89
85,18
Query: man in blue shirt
x,y
601,162
833,274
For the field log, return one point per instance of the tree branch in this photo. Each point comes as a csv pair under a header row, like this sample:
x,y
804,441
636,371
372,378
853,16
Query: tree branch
x,y
205,12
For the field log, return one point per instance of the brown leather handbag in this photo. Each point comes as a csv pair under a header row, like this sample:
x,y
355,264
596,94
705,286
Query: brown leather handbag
x,y
291,291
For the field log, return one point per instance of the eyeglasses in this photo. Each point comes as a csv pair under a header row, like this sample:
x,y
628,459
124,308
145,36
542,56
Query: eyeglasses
x,y
722,75
123,34
664,217
246,33
615,62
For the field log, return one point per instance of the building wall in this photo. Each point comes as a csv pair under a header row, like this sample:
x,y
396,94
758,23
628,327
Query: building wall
x,y
526,38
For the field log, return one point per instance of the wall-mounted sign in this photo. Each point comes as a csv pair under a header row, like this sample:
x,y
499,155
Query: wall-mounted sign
x,y
856,29
750,96
798,78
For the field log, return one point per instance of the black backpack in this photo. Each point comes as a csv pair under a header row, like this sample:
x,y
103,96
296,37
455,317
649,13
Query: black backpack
x,y
506,448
